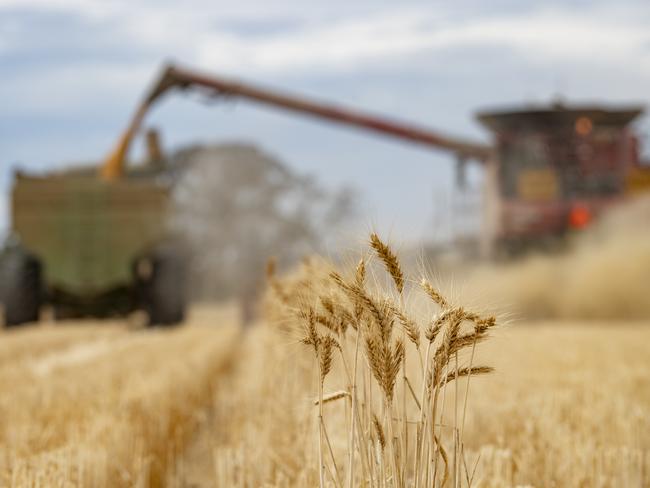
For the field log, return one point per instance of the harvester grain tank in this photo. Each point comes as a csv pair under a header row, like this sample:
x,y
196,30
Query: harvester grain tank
x,y
90,247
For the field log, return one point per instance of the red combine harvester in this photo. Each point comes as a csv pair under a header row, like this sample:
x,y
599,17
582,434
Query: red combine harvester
x,y
550,170
556,168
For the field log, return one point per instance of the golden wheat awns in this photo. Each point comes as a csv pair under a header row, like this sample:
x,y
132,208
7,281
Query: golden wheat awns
x,y
390,261
434,294
474,370
360,275
327,345
332,397
376,372
410,326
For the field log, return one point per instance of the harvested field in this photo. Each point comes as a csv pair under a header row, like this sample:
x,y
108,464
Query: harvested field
x,y
90,404
97,404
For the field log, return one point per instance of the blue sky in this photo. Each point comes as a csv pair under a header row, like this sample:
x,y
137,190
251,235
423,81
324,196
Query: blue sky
x,y
73,70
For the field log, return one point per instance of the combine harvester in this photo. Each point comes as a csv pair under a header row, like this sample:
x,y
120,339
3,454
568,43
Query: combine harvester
x,y
96,242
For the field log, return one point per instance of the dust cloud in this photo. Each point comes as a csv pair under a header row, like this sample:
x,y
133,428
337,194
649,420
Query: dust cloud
x,y
603,274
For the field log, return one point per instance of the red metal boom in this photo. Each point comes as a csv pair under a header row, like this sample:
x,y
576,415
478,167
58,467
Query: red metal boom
x,y
174,77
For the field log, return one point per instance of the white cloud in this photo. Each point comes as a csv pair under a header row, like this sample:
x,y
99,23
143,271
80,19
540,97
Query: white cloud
x,y
565,42
192,35
95,9
70,89
604,36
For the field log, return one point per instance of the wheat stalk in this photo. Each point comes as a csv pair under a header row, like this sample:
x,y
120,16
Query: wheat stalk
x,y
329,306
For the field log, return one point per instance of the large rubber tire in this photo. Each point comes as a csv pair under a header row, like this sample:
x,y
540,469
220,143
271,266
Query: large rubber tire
x,y
164,293
22,292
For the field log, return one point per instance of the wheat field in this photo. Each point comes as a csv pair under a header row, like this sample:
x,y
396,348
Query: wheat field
x,y
567,405
327,390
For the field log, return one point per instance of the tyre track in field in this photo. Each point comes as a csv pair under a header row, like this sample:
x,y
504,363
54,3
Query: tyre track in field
x,y
194,466
30,343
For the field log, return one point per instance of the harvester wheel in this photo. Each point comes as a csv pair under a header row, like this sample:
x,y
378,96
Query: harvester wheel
x,y
163,287
22,287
